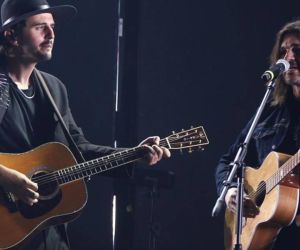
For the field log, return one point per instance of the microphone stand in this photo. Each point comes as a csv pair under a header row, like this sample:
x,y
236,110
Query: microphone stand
x,y
238,170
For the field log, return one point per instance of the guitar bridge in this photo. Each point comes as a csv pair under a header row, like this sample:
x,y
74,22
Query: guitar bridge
x,y
291,180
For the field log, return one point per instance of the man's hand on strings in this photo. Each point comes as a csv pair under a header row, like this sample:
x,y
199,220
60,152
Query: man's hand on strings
x,y
154,152
19,185
250,209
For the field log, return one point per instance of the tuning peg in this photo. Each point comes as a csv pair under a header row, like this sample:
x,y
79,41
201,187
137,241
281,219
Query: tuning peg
x,y
173,132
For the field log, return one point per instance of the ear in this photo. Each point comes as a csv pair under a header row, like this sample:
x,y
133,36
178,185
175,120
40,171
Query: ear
x,y
11,37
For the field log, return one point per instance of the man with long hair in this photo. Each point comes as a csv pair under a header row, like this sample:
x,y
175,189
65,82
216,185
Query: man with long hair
x,y
278,128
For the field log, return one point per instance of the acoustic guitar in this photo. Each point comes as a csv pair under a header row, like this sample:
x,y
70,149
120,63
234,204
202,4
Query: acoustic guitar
x,y
61,183
274,188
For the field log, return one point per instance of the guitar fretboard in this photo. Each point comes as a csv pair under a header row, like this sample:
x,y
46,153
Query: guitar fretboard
x,y
93,167
194,137
282,172
99,165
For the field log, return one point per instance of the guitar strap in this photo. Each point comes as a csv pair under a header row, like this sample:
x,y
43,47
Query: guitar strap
x,y
79,157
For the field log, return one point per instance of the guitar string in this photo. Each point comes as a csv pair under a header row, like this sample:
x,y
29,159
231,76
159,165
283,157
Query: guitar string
x,y
90,166
260,190
82,168
70,177
130,152
78,171
275,178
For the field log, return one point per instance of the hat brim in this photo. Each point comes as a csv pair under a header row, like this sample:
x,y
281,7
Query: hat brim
x,y
60,13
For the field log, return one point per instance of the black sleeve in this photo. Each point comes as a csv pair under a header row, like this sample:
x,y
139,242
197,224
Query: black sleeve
x,y
224,167
89,150
92,151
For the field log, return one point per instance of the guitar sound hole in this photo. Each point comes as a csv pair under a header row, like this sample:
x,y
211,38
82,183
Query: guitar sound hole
x,y
260,193
50,196
48,186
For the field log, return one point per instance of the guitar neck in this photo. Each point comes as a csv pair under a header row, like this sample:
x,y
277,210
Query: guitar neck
x,y
283,171
186,139
99,165
102,164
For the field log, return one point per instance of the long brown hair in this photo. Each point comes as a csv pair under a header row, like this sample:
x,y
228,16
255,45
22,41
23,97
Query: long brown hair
x,y
281,89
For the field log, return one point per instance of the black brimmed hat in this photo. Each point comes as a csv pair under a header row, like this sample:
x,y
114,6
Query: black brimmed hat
x,y
14,11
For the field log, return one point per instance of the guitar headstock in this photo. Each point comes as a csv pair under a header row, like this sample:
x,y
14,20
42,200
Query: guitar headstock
x,y
193,138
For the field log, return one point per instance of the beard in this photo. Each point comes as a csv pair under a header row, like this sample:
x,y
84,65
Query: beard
x,y
41,57
41,54
292,82
292,79
36,54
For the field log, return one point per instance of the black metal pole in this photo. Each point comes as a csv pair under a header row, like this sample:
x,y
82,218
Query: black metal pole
x,y
125,117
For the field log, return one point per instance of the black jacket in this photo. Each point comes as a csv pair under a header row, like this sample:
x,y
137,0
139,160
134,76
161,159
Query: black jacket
x,y
59,94
268,136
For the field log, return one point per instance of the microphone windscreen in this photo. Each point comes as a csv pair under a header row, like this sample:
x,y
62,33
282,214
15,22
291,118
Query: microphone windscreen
x,y
285,64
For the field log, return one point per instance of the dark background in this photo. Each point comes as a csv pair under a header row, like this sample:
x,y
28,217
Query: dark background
x,y
197,63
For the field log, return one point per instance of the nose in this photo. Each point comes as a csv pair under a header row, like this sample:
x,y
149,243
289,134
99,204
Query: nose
x,y
289,56
50,32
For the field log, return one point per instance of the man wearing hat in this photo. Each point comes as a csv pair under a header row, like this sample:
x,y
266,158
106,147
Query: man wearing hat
x,y
27,117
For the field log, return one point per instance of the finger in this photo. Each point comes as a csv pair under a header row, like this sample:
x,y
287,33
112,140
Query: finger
x,y
153,140
153,159
251,205
166,152
29,201
158,152
149,149
32,194
230,196
150,141
156,140
232,208
31,185
232,199
151,156
250,208
232,205
27,195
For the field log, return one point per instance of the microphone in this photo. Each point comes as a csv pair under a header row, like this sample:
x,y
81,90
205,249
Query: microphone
x,y
275,70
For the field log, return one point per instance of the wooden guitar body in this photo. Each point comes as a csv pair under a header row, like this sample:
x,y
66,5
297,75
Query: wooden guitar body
x,y
61,184
278,206
57,204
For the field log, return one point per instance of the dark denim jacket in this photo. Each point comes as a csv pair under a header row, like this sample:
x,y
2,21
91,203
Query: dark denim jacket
x,y
268,136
